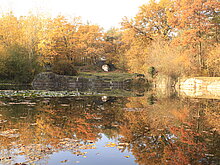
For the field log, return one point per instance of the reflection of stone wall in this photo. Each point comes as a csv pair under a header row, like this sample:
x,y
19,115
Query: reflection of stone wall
x,y
51,81
164,86
199,87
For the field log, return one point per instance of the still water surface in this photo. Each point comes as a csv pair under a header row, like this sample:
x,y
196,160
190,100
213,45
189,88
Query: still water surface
x,y
109,130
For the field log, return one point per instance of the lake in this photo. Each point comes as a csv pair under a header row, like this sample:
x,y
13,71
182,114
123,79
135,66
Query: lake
x,y
109,129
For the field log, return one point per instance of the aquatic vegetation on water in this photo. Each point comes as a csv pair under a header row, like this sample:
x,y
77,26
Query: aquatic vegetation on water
x,y
45,93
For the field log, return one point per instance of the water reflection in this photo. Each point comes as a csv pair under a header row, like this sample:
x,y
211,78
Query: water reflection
x,y
144,130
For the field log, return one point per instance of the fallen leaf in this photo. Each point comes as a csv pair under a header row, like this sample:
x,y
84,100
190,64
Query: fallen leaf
x,y
123,144
64,161
110,144
120,147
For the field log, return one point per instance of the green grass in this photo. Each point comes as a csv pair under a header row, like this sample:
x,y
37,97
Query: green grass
x,y
116,76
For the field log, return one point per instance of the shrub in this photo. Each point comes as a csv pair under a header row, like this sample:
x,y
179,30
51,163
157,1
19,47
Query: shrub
x,y
19,66
213,61
170,59
152,71
64,67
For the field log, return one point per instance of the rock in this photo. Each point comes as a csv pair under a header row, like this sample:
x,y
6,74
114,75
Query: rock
x,y
49,80
52,81
141,75
106,68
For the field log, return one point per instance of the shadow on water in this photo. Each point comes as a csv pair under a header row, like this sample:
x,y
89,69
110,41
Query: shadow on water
x,y
148,129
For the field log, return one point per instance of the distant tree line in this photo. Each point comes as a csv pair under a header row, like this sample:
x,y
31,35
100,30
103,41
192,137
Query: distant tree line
x,y
178,37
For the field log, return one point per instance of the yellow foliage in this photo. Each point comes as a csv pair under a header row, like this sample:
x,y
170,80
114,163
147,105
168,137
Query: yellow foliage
x,y
213,60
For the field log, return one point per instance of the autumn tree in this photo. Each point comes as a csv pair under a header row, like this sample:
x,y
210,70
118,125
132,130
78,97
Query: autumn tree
x,y
72,40
114,51
195,21
10,30
57,38
149,25
213,60
90,42
19,59
176,37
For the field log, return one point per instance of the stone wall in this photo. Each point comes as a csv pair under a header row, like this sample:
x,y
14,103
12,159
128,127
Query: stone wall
x,y
164,86
199,87
52,81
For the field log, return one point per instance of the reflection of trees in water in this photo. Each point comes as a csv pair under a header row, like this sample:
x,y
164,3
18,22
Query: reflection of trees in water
x,y
170,132
84,117
52,120
167,132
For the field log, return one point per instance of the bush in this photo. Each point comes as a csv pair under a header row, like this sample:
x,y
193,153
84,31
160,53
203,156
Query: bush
x,y
169,59
152,71
64,67
213,61
19,66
